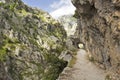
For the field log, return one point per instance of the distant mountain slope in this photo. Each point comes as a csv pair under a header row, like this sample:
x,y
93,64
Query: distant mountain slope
x,y
69,23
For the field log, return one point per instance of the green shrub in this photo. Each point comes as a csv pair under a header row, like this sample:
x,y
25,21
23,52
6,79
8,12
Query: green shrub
x,y
56,68
2,54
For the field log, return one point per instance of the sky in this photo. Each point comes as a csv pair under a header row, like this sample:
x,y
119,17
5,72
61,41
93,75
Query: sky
x,y
55,8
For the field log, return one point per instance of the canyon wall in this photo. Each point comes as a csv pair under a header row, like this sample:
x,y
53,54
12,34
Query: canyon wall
x,y
30,43
69,23
99,29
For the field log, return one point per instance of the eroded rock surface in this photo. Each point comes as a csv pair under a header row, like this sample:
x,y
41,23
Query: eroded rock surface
x,y
99,30
69,23
30,43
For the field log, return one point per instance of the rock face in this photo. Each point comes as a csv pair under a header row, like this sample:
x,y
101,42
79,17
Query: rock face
x,y
30,43
99,30
69,23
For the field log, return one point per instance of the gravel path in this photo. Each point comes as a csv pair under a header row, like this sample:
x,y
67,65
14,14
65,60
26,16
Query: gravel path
x,y
83,69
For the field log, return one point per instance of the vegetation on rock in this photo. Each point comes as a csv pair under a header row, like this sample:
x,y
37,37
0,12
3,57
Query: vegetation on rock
x,y
31,42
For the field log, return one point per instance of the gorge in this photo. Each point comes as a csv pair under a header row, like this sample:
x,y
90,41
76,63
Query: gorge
x,y
34,46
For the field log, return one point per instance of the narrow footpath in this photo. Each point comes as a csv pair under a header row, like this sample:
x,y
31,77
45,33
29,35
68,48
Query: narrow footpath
x,y
83,69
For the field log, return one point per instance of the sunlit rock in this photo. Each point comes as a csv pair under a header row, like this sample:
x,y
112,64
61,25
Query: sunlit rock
x,y
69,23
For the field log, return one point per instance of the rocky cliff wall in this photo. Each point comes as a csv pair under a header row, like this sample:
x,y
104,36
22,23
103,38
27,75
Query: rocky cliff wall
x,y
69,23
99,30
30,43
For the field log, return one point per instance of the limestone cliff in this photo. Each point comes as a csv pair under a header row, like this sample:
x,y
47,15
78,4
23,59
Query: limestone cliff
x,y
99,30
30,43
69,23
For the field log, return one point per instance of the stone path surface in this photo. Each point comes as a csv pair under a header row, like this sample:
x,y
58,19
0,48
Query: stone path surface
x,y
83,69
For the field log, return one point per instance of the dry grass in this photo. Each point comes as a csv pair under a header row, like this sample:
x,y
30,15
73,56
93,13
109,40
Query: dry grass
x,y
72,62
108,77
90,58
